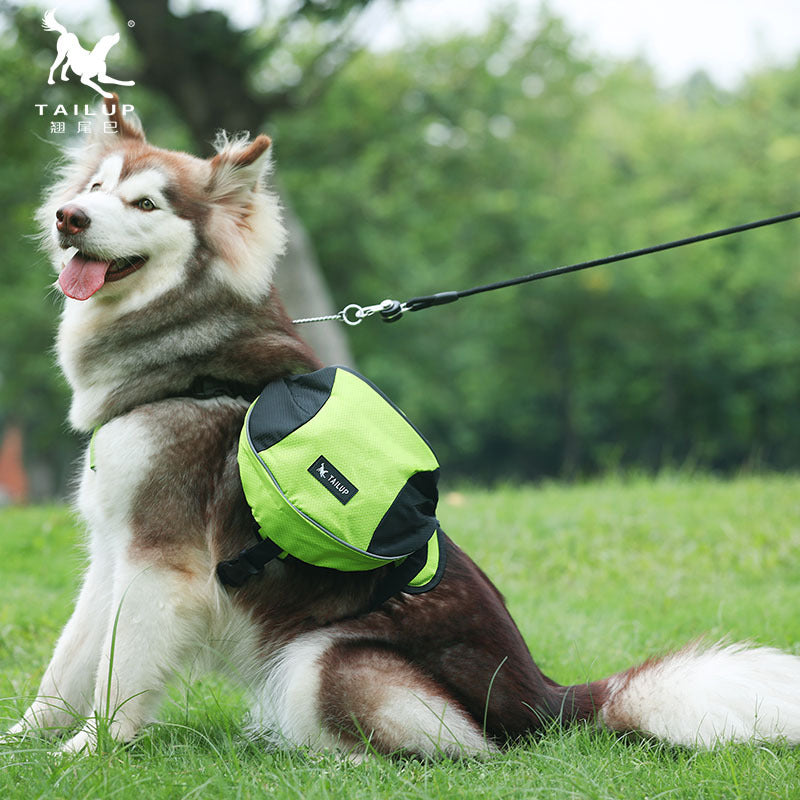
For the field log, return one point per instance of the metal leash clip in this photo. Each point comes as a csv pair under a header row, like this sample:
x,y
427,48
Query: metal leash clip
x,y
390,310
354,314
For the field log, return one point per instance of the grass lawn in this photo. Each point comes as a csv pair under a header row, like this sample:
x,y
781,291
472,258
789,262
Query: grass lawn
x,y
598,577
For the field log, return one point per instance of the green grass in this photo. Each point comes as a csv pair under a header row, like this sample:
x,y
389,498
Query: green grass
x,y
597,576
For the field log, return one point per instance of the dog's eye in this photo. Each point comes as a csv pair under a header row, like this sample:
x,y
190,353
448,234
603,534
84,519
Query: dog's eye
x,y
146,204
95,187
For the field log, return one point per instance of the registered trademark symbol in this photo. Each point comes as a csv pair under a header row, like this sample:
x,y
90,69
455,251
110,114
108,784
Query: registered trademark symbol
x,y
131,23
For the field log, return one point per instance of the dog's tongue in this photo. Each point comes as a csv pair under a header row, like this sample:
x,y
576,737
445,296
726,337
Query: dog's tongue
x,y
81,278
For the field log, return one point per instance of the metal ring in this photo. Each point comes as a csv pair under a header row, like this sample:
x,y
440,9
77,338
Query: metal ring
x,y
353,306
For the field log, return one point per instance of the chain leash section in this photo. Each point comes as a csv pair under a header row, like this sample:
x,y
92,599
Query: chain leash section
x,y
354,314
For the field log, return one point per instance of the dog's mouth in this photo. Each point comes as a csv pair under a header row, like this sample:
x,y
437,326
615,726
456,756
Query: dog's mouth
x,y
84,274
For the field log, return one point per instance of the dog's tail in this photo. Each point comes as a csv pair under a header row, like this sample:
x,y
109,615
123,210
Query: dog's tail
x,y
50,23
702,696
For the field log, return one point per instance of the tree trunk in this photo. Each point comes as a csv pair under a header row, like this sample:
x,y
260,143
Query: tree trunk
x,y
305,294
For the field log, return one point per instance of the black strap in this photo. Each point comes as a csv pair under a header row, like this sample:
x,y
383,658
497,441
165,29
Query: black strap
x,y
249,562
397,578
204,387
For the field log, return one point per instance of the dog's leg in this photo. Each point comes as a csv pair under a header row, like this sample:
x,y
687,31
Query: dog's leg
x,y
61,53
56,61
157,618
87,81
359,697
65,693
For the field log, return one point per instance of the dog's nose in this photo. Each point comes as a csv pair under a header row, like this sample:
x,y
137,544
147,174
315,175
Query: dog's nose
x,y
72,220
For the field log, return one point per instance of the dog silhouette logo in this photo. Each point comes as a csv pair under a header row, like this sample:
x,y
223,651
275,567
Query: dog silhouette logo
x,y
85,64
333,480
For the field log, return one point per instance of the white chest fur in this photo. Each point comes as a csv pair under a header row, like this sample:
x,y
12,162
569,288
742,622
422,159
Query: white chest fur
x,y
122,452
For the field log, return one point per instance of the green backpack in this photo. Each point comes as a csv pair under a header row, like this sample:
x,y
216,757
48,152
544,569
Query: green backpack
x,y
336,476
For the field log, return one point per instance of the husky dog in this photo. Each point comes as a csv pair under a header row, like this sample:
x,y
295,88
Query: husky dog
x,y
167,263
86,65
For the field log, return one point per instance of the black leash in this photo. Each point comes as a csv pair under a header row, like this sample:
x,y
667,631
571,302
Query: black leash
x,y
393,310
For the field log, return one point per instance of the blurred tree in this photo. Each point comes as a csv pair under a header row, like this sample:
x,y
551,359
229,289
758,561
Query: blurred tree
x,y
32,392
458,162
240,78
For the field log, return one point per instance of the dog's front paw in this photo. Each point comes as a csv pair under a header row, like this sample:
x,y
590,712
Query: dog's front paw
x,y
85,741
17,732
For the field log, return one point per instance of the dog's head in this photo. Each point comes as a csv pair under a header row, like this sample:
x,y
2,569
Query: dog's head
x,y
128,222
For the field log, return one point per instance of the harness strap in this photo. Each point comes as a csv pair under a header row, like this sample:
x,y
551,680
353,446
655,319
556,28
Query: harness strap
x,y
236,571
250,561
397,578
204,387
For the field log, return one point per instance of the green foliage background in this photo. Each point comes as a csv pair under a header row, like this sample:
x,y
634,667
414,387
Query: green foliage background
x,y
455,163
435,175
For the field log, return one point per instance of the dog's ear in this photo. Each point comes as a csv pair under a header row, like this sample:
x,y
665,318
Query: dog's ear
x,y
244,223
126,126
239,167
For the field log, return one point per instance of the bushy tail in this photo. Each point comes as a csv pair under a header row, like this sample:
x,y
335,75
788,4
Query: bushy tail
x,y
706,695
50,23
